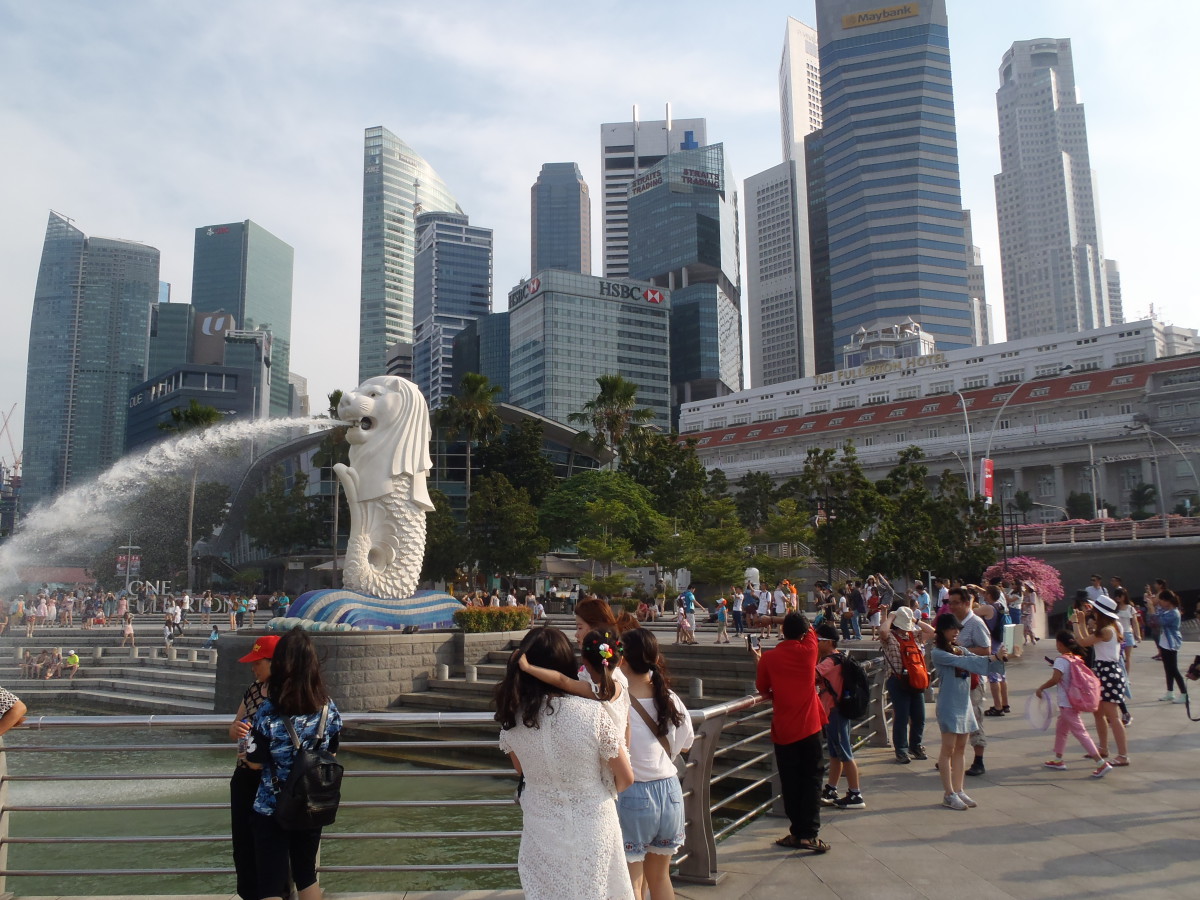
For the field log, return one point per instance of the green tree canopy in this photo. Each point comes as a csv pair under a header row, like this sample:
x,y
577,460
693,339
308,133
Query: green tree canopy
x,y
754,499
502,528
445,547
564,514
471,414
719,559
284,520
612,417
517,454
672,472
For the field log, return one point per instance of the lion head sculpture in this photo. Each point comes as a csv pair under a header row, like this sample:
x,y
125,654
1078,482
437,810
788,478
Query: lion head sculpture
x,y
389,436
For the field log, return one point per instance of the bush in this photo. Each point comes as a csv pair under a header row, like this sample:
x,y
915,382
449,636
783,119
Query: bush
x,y
629,604
485,619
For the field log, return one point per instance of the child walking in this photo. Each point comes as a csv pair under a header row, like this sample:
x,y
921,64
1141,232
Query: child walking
x,y
722,622
837,732
1069,721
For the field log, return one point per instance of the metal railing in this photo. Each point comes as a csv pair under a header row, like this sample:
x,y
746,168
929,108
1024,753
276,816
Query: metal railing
x,y
728,779
1115,530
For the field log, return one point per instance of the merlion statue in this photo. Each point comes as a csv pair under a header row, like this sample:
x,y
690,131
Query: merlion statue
x,y
385,485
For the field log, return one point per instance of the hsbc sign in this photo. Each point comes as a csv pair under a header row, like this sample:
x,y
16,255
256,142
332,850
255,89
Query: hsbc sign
x,y
620,291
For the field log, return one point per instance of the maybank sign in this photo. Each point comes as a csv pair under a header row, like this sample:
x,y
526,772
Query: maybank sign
x,y
878,16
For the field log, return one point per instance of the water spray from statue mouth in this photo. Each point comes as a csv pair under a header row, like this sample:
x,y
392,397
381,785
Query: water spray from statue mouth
x,y
85,517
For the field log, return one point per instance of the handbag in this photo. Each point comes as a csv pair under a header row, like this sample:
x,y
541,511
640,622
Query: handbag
x,y
652,725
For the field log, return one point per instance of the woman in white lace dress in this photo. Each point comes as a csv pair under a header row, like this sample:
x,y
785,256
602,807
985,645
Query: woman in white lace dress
x,y
573,760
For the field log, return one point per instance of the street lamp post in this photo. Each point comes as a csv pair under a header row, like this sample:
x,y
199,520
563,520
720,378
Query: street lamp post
x,y
1061,509
970,450
128,548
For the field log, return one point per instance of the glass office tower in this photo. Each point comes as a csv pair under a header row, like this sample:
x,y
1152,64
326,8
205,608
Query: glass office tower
x,y
892,193
243,269
397,186
561,220
88,343
452,287
683,235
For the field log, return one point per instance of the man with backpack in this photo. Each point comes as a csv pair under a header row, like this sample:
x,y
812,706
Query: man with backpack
x,y
787,675
831,683
903,637
995,615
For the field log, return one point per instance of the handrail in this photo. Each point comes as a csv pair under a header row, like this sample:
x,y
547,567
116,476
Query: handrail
x,y
729,779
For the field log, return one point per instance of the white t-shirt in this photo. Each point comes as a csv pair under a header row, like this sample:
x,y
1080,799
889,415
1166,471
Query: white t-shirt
x,y
646,755
1063,665
737,601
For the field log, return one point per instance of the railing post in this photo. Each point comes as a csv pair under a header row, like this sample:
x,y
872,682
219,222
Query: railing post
x,y
696,688
881,735
700,843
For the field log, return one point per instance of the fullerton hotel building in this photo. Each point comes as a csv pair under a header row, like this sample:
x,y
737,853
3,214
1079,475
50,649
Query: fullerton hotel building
x,y
1095,413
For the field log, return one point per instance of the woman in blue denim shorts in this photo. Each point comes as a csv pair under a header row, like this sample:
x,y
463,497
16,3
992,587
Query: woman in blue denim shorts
x,y
651,809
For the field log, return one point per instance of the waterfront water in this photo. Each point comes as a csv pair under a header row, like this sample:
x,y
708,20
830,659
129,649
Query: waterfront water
x,y
218,760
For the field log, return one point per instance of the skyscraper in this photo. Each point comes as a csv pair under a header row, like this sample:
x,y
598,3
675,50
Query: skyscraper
x,y
1051,257
627,149
799,87
242,269
452,287
398,185
892,197
779,287
88,344
981,310
561,220
683,235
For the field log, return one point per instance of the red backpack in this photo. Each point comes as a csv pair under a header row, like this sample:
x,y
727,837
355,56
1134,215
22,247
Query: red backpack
x,y
912,657
1083,687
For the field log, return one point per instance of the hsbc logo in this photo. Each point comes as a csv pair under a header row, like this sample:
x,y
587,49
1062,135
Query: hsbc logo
x,y
620,291
222,230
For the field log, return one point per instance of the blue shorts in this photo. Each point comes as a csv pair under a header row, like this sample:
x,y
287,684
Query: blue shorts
x,y
997,677
651,814
837,737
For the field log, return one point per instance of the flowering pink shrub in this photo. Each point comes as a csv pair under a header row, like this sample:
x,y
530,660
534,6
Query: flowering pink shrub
x,y
1045,579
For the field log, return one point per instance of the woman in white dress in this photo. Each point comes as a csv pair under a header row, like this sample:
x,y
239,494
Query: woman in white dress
x,y
572,758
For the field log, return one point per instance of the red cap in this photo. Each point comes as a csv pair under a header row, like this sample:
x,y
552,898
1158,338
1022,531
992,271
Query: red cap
x,y
264,648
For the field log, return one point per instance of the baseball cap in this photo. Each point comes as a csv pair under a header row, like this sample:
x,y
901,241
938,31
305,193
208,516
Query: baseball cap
x,y
264,648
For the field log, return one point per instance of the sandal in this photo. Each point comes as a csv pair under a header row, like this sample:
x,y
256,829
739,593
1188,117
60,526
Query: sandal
x,y
1119,761
993,712
816,845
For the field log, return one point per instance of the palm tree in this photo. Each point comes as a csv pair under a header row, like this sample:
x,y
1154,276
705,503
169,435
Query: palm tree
x,y
613,416
471,412
192,417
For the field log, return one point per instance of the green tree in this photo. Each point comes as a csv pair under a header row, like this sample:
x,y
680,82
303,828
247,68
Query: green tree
x,y
718,484
964,528
606,542
670,469
445,549
334,449
564,514
788,523
284,520
719,559
153,522
1141,496
754,499
903,541
502,528
1023,501
471,414
612,417
518,455
1080,506
193,417
843,502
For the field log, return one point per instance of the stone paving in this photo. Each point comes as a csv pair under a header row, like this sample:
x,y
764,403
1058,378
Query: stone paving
x,y
1037,833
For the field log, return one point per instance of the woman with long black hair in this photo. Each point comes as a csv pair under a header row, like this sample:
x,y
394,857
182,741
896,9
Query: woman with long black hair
x,y
572,758
296,694
651,809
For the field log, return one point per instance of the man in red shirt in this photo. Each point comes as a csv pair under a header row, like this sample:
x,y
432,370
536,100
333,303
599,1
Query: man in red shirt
x,y
787,676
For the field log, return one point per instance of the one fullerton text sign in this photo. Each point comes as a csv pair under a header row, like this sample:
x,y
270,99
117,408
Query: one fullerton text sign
x,y
879,16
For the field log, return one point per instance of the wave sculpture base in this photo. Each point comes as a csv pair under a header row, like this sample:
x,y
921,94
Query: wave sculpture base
x,y
338,609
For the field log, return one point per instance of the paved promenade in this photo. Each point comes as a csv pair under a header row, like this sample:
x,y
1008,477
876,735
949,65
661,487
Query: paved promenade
x,y
1036,834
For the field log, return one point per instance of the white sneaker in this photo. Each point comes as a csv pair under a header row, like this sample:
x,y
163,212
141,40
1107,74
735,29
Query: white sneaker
x,y
1168,697
967,800
953,801
1182,698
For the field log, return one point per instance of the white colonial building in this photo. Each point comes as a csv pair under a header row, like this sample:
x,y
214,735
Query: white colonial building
x,y
1090,412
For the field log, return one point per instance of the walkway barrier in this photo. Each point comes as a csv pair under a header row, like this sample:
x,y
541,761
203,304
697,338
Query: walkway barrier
x,y
728,779
1109,530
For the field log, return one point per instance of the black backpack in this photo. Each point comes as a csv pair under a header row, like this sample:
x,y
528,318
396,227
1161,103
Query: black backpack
x,y
855,699
309,798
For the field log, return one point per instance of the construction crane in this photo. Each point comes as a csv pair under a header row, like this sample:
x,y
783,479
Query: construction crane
x,y
15,468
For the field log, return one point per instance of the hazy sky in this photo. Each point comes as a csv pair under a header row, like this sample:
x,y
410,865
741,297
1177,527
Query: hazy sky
x,y
143,120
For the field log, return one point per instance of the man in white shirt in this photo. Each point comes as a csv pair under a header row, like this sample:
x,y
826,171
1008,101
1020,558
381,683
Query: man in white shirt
x,y
1096,588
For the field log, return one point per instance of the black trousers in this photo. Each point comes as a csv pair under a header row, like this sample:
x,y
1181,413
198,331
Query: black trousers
x,y
242,789
801,768
276,849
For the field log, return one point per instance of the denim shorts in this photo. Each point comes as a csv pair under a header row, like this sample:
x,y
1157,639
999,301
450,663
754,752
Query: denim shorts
x,y
837,737
997,677
651,814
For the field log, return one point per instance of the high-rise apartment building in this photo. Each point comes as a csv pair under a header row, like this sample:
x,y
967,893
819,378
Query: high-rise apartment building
x,y
779,287
683,235
398,185
452,287
88,343
566,330
560,220
627,149
892,192
1112,273
242,269
1051,257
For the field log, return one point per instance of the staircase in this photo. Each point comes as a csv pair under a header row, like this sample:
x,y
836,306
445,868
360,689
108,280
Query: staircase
x,y
113,679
